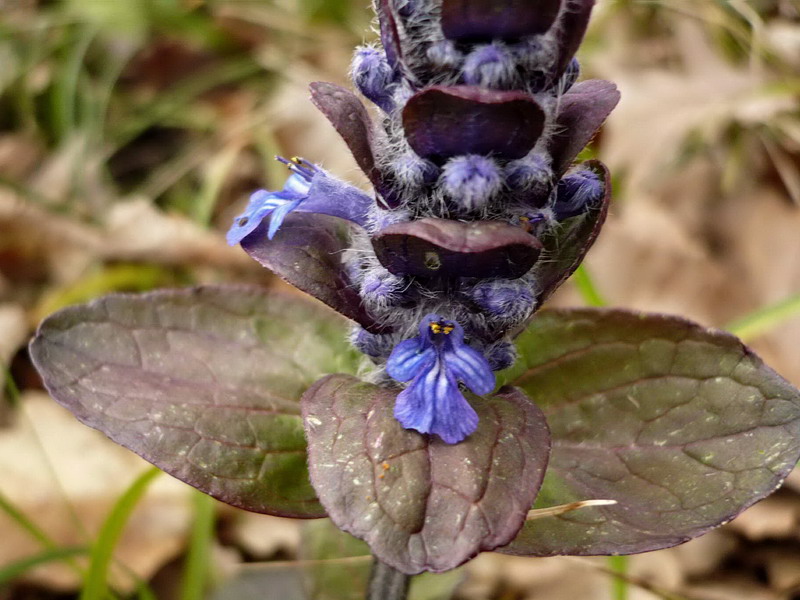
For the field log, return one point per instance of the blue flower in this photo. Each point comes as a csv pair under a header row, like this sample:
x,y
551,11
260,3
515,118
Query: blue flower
x,y
434,362
308,189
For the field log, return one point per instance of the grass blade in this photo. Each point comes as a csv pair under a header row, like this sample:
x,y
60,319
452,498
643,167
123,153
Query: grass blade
x,y
13,570
763,320
65,97
23,521
619,585
588,291
35,531
96,583
198,559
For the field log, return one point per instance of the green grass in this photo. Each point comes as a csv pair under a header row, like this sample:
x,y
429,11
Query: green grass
x,y
16,515
586,287
197,569
619,585
765,319
11,571
95,585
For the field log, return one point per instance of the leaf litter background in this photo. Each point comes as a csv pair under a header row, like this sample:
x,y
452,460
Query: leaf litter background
x,y
131,134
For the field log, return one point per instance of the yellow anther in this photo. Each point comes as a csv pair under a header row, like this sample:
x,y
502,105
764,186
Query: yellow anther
x,y
297,160
436,327
448,329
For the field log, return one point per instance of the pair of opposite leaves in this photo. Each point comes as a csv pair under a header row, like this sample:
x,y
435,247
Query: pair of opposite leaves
x,y
683,427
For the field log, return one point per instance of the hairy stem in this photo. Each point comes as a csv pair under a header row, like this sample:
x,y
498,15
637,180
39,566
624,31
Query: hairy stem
x,y
387,583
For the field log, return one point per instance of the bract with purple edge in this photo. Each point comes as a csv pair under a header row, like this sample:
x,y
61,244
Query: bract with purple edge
x,y
352,122
572,28
566,245
440,248
581,113
422,504
441,122
693,430
390,37
204,383
485,20
307,253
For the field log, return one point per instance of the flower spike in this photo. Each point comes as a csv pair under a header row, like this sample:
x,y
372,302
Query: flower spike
x,y
434,362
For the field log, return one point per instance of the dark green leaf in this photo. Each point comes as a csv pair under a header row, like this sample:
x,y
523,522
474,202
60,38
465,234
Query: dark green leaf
x,y
683,426
422,504
203,383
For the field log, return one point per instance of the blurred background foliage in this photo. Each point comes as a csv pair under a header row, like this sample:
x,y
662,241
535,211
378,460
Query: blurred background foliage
x,y
132,131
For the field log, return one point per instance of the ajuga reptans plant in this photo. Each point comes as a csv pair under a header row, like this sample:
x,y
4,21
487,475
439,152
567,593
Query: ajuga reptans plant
x,y
452,409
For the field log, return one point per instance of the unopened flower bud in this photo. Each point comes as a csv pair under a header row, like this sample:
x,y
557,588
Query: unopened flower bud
x,y
490,66
380,289
375,345
576,193
509,301
531,175
471,181
444,55
501,355
374,77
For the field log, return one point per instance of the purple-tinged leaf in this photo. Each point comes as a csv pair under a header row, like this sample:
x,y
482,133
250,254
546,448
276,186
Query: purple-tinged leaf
x,y
572,27
485,20
442,122
307,252
352,122
419,503
566,245
441,248
581,113
204,383
683,426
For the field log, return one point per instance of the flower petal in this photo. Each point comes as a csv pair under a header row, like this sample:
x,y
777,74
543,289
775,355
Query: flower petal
x,y
336,198
434,404
296,186
409,358
471,367
323,195
261,204
279,214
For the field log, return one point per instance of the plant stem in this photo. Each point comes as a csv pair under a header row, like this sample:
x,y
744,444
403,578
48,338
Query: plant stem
x,y
387,583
